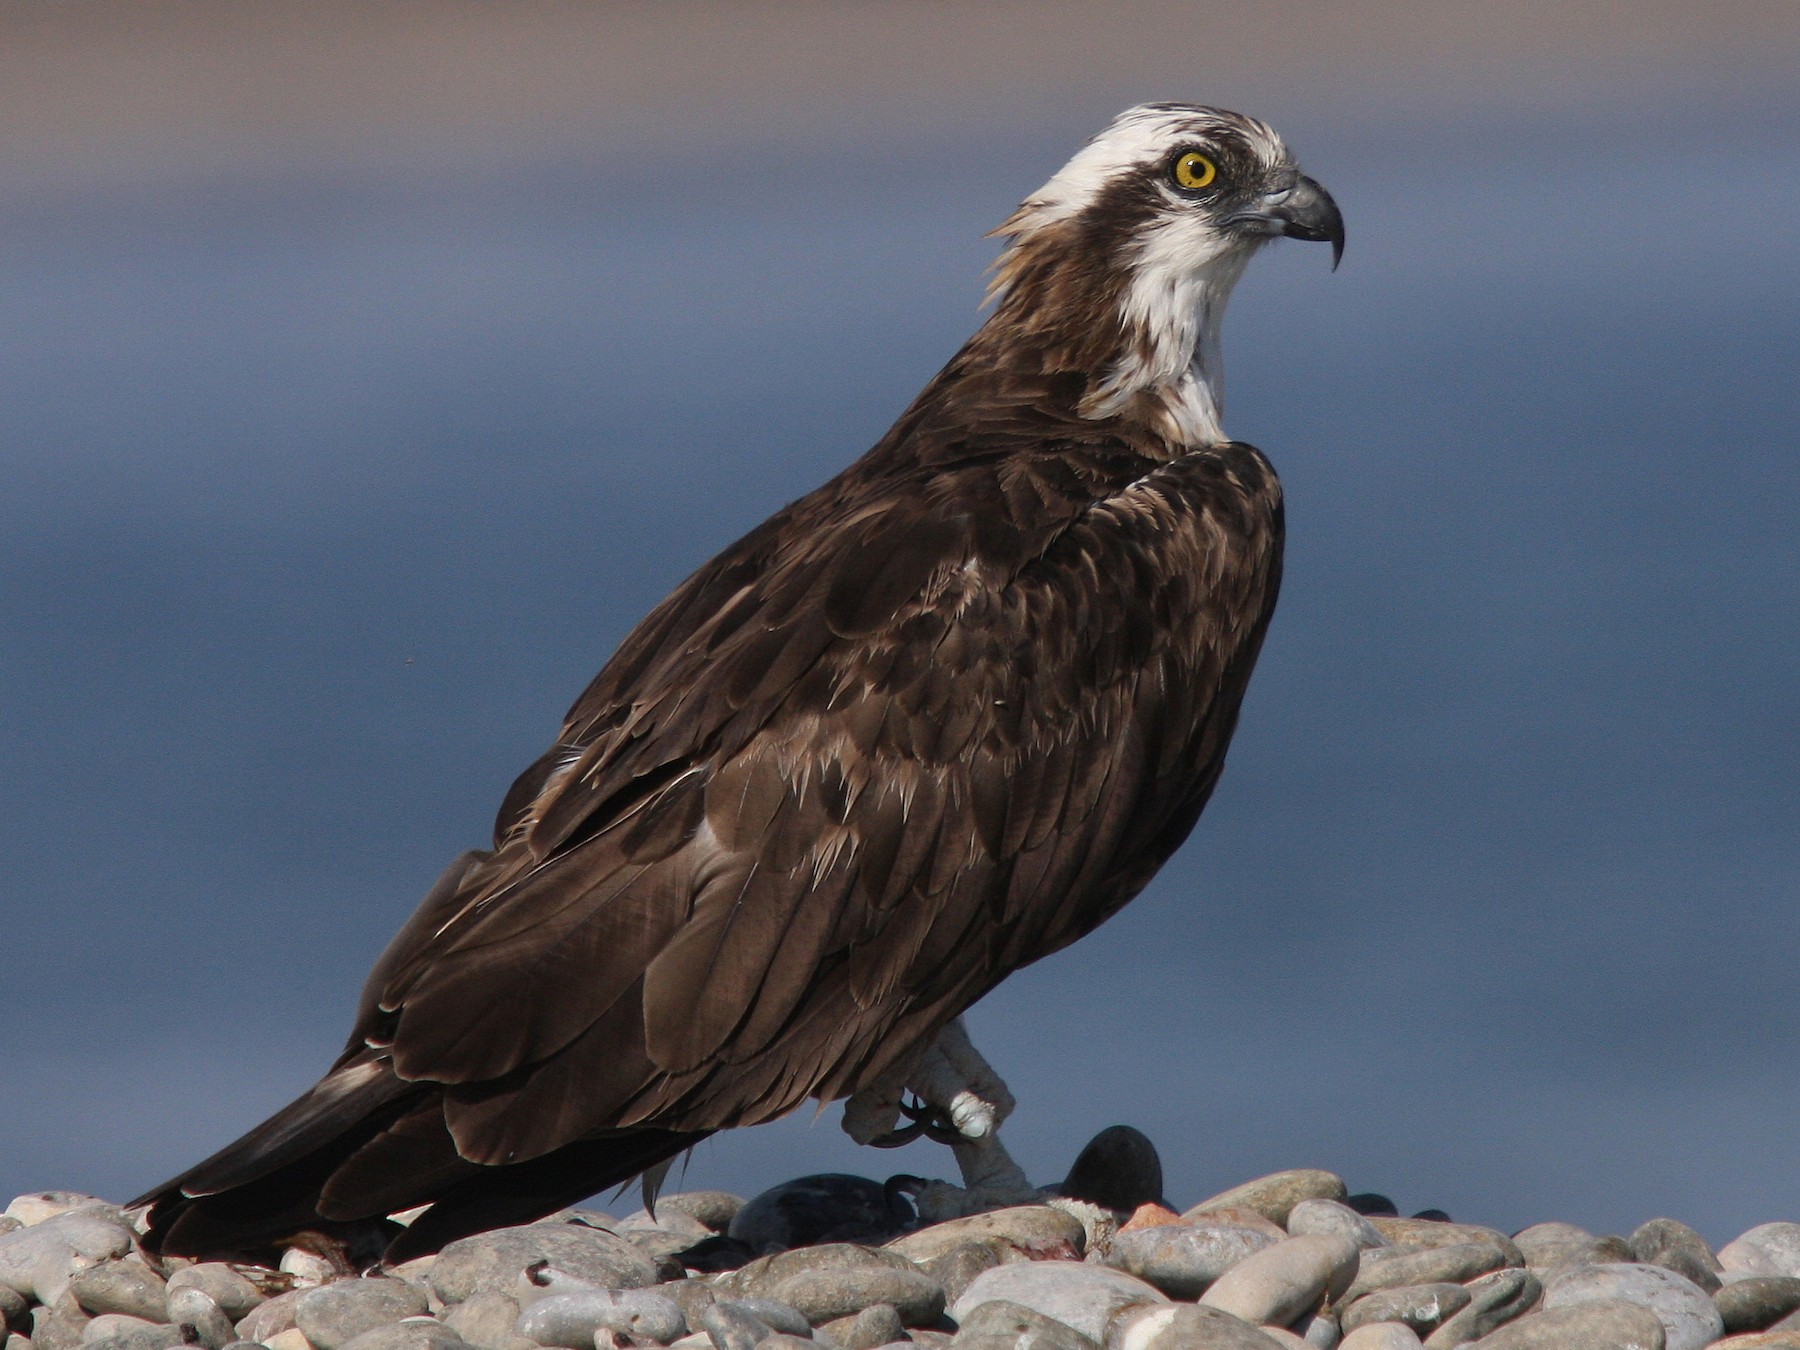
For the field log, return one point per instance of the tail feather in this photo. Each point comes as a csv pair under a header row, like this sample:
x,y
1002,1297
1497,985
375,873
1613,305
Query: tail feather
x,y
364,1144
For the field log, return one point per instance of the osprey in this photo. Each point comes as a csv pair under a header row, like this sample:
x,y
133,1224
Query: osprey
x,y
933,721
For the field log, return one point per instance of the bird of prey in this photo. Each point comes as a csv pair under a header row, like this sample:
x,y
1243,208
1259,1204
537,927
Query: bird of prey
x,y
926,725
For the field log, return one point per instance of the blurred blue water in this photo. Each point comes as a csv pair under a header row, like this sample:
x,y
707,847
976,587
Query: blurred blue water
x,y
325,496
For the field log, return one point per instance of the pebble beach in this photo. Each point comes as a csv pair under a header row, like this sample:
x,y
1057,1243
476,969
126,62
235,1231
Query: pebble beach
x,y
1292,1259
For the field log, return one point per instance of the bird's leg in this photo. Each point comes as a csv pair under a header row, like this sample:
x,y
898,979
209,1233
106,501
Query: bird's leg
x,y
962,1103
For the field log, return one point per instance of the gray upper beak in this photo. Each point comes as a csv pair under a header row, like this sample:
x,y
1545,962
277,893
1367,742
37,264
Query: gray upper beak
x,y
1306,211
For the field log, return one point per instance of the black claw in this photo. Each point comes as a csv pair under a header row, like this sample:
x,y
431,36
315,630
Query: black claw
x,y
927,1120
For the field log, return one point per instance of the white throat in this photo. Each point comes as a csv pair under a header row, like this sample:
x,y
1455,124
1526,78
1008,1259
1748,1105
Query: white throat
x,y
1173,315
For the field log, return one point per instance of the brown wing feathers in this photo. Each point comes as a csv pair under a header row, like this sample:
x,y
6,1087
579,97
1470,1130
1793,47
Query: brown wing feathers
x,y
925,726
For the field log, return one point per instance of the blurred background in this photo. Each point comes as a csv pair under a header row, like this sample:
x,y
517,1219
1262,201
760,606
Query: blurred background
x,y
366,370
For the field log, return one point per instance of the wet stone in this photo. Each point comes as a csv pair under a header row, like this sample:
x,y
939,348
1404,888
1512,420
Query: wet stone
x,y
418,1333
333,1315
1494,1300
497,1260
189,1307
1321,1217
1184,1260
829,1207
1689,1317
1274,1196
1001,1324
123,1286
1605,1324
1422,1307
1760,1340
876,1325
1394,1267
1119,1169
572,1320
1081,1296
1281,1282
235,1295
1758,1302
1185,1326
838,1280
1036,1231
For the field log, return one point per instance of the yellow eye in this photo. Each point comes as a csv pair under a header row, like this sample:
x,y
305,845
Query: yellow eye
x,y
1193,170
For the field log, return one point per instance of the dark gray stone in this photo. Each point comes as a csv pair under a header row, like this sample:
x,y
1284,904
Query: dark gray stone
x,y
1118,1169
837,1280
1393,1267
333,1315
419,1333
827,1208
1085,1297
1423,1307
1757,1303
876,1325
191,1307
571,1320
235,1295
125,1286
497,1260
1671,1244
1182,1259
1001,1324
1494,1300
1606,1324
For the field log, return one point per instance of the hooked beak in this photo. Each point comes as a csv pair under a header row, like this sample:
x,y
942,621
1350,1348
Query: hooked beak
x,y
1303,211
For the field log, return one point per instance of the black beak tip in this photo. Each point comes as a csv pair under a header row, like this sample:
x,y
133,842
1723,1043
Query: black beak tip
x,y
1311,214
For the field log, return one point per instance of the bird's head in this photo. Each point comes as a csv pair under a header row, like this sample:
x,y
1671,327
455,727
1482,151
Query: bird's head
x,y
1120,266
